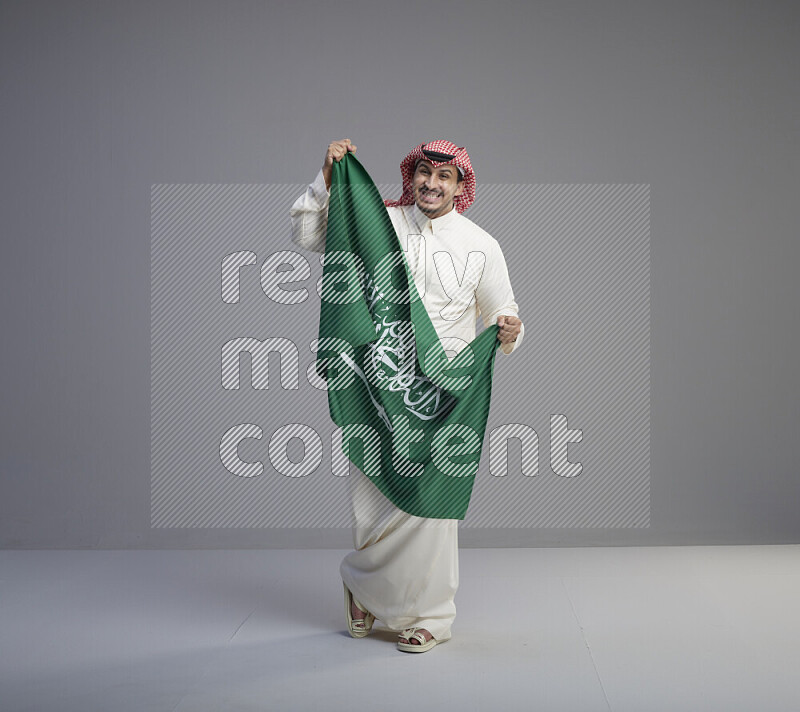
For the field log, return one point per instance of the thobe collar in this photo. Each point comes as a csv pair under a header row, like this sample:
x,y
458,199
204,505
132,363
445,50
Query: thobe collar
x,y
436,224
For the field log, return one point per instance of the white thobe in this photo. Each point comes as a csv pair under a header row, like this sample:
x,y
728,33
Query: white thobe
x,y
404,569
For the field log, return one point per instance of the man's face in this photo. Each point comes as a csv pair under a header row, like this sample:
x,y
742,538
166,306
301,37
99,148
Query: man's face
x,y
435,188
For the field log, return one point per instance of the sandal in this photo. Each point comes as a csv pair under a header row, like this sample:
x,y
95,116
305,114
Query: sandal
x,y
409,647
358,628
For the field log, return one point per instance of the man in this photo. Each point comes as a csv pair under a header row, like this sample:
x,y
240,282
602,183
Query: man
x,y
404,569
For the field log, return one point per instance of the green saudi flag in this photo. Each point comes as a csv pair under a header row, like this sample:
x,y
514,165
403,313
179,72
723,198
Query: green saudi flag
x,y
412,420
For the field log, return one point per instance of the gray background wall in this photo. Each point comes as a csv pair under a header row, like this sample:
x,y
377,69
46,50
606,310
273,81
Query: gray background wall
x,y
101,100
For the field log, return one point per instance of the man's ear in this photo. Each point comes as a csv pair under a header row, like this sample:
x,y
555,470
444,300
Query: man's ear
x,y
459,188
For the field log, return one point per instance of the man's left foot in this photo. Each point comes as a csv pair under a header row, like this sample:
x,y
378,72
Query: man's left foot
x,y
411,640
425,632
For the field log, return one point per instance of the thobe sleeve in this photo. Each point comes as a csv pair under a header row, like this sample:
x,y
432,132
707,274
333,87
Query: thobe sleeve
x,y
309,216
494,295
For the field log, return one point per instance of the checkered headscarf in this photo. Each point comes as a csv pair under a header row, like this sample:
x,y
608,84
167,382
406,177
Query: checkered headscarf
x,y
438,153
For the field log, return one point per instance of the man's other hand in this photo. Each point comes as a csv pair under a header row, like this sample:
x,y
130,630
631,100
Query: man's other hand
x,y
509,328
336,152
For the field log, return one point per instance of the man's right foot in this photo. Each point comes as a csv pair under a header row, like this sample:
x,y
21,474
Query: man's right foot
x,y
360,621
356,612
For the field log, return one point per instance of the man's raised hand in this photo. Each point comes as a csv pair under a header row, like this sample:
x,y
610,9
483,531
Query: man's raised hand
x,y
336,152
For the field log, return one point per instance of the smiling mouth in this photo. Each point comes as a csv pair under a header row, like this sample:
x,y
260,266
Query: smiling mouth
x,y
429,195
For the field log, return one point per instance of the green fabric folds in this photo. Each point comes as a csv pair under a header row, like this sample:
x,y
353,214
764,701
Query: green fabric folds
x,y
413,421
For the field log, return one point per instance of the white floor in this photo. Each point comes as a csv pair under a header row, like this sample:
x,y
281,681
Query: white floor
x,y
634,629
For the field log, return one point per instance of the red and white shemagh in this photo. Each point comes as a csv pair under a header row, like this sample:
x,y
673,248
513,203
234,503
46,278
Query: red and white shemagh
x,y
444,149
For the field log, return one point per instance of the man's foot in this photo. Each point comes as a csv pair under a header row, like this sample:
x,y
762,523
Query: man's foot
x,y
414,641
359,621
356,613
